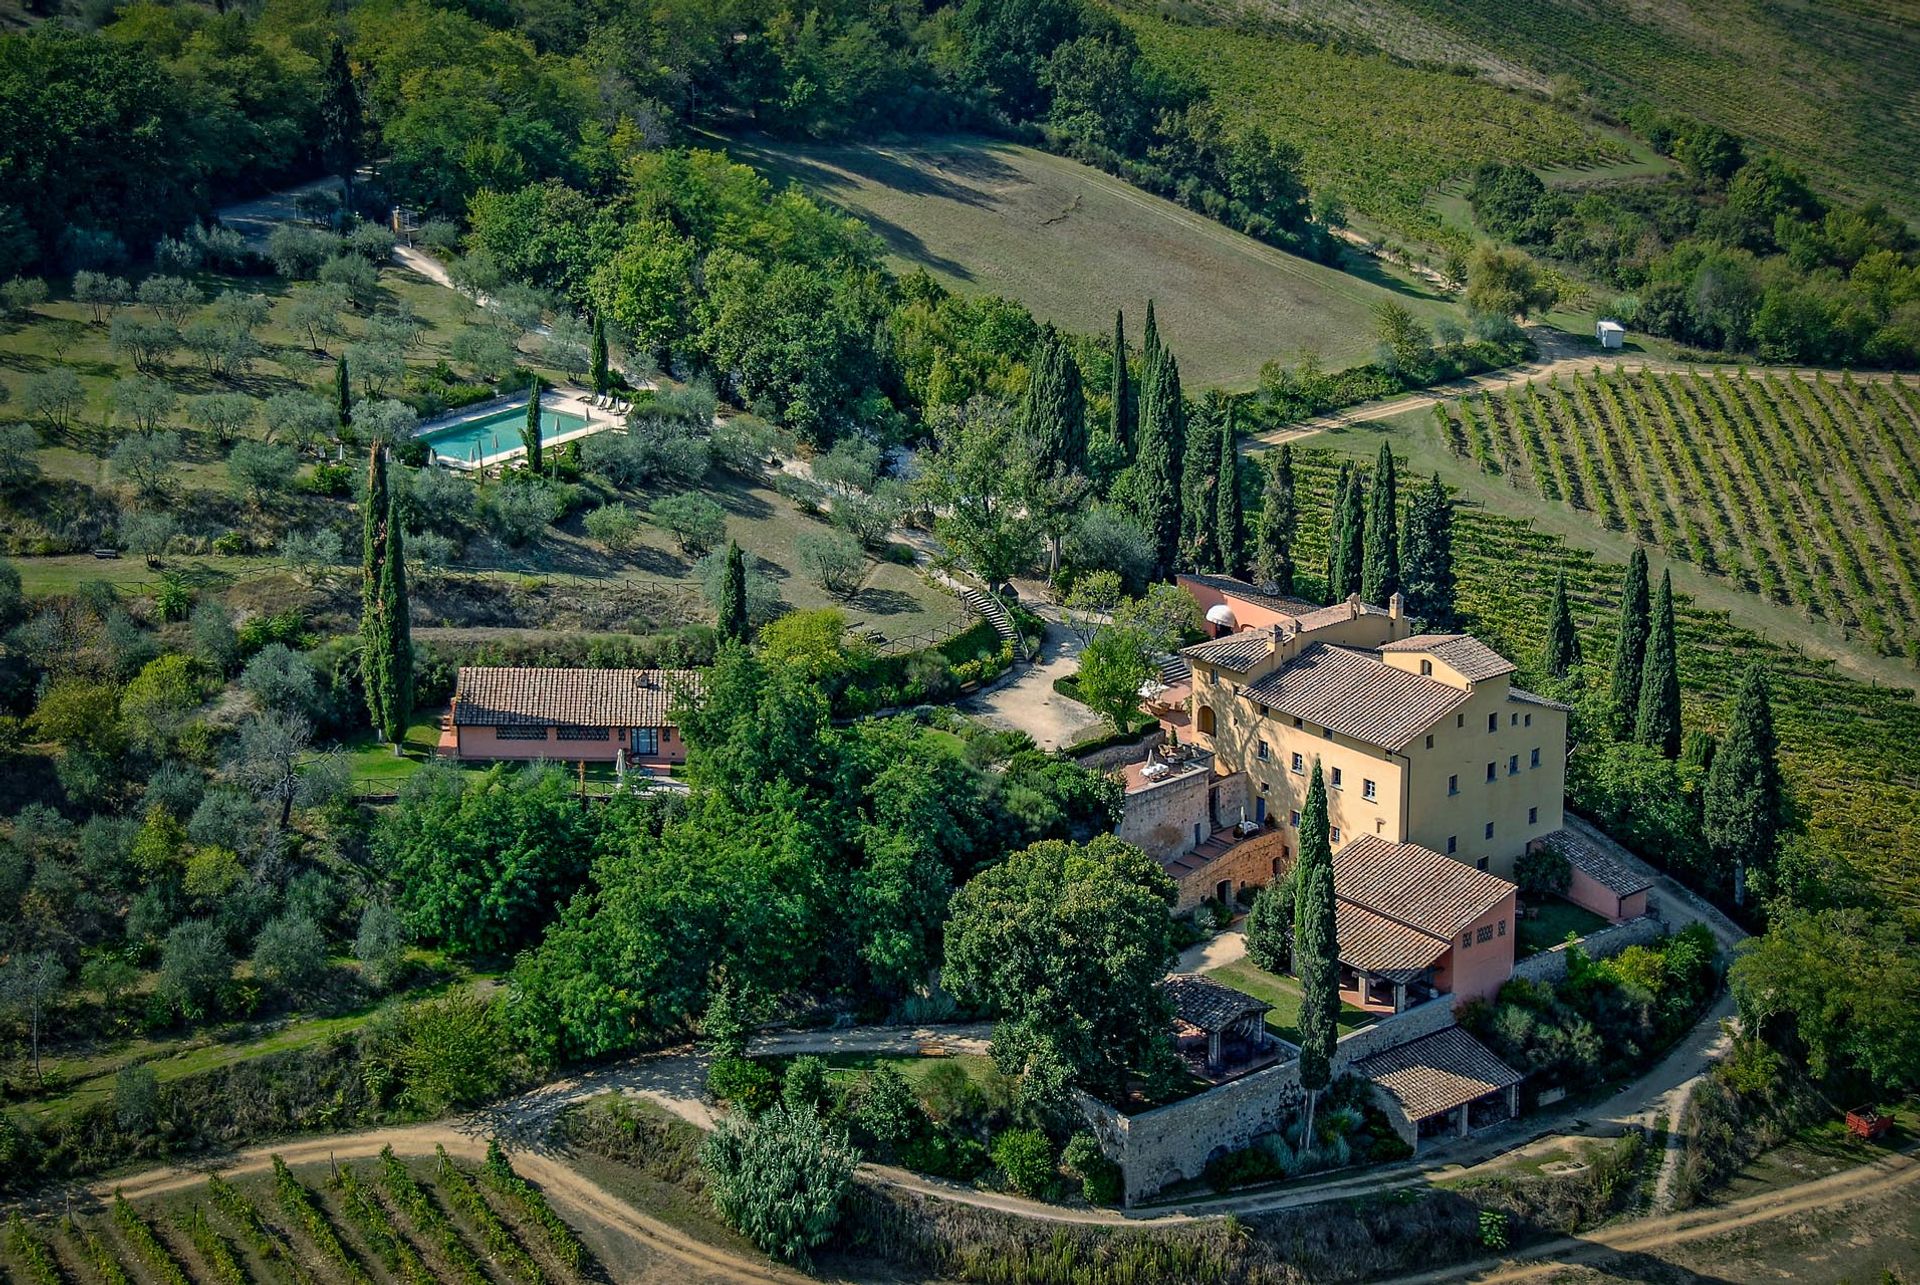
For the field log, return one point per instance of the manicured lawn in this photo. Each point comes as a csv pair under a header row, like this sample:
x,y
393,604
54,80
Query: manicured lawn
x,y
1550,923
1285,996
914,1067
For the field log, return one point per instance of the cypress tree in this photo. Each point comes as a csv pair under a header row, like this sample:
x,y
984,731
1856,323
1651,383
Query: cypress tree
x,y
1316,949
1056,408
1563,640
1121,418
1279,518
1380,560
732,622
1229,523
1630,644
342,392
1157,462
386,655
396,611
340,122
1150,343
530,431
1743,805
1198,479
1355,539
602,378
1657,714
1426,555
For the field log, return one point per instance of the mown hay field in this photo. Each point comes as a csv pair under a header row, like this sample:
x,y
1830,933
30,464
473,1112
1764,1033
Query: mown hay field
x,y
1074,244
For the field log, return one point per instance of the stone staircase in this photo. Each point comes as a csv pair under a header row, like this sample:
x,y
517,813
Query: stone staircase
x,y
991,609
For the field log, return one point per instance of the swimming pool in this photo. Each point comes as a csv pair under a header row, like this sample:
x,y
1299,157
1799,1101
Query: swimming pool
x,y
496,433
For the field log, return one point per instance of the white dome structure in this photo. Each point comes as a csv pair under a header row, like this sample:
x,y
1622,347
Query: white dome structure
x,y
1222,615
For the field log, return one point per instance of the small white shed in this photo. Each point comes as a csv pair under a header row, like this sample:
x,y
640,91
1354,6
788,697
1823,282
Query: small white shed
x,y
1611,334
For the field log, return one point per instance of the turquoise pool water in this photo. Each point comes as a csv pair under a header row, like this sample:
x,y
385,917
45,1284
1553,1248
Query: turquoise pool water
x,y
497,432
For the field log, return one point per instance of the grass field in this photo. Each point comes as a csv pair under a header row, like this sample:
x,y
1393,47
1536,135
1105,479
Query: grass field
x,y
1842,739
1805,492
1550,923
1826,84
1074,244
1382,135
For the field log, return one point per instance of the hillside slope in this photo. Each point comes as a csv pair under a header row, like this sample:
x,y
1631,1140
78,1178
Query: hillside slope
x,y
1074,244
1833,86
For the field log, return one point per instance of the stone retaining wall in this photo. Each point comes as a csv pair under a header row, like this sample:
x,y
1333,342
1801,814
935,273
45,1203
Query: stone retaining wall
x,y
1115,756
1550,966
1172,1143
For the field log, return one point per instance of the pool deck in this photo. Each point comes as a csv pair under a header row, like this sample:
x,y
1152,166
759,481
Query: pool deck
x,y
564,401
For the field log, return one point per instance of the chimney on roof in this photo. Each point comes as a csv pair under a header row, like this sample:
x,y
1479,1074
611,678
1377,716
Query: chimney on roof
x,y
1395,606
1276,634
1353,606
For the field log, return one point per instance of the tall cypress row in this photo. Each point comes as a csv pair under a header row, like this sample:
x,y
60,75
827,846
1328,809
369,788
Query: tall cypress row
x,y
1630,645
1316,948
1156,477
1563,640
342,392
1279,520
732,622
1380,559
602,375
530,432
1657,714
1229,523
1355,537
1743,805
1150,342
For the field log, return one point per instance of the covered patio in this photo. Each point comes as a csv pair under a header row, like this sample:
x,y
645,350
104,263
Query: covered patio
x,y
1444,1083
1220,1032
1385,966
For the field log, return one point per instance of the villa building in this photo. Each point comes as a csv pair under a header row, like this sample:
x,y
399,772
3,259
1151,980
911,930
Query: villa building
x,y
1413,925
570,715
1422,739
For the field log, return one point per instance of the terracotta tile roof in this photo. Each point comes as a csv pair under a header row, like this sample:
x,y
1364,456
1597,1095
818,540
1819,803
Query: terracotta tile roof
x,y
1357,695
1207,1004
1415,885
1378,945
1233,587
1534,698
1602,867
508,697
1472,659
1320,617
1438,1072
1238,652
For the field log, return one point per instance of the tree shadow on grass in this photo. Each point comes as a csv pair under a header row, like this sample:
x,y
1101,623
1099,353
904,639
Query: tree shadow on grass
x,y
884,602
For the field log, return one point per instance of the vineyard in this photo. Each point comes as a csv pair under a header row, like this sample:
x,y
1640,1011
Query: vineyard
x,y
383,1220
1805,491
1837,735
1379,134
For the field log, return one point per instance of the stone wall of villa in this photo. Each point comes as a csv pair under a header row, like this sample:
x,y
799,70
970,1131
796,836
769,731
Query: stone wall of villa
x,y
1550,966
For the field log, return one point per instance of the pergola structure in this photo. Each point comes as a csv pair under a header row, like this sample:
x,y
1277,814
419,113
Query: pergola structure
x,y
1230,1024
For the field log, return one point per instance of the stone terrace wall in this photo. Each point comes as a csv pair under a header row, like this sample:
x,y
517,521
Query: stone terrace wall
x,y
1550,966
1114,756
1168,1144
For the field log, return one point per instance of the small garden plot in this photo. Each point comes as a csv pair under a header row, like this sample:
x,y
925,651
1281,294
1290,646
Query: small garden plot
x,y
1284,994
1548,923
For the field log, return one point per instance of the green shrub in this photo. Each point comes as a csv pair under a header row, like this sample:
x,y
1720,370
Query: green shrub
x,y
781,1179
742,1082
1100,1178
888,1112
1025,1159
944,1154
